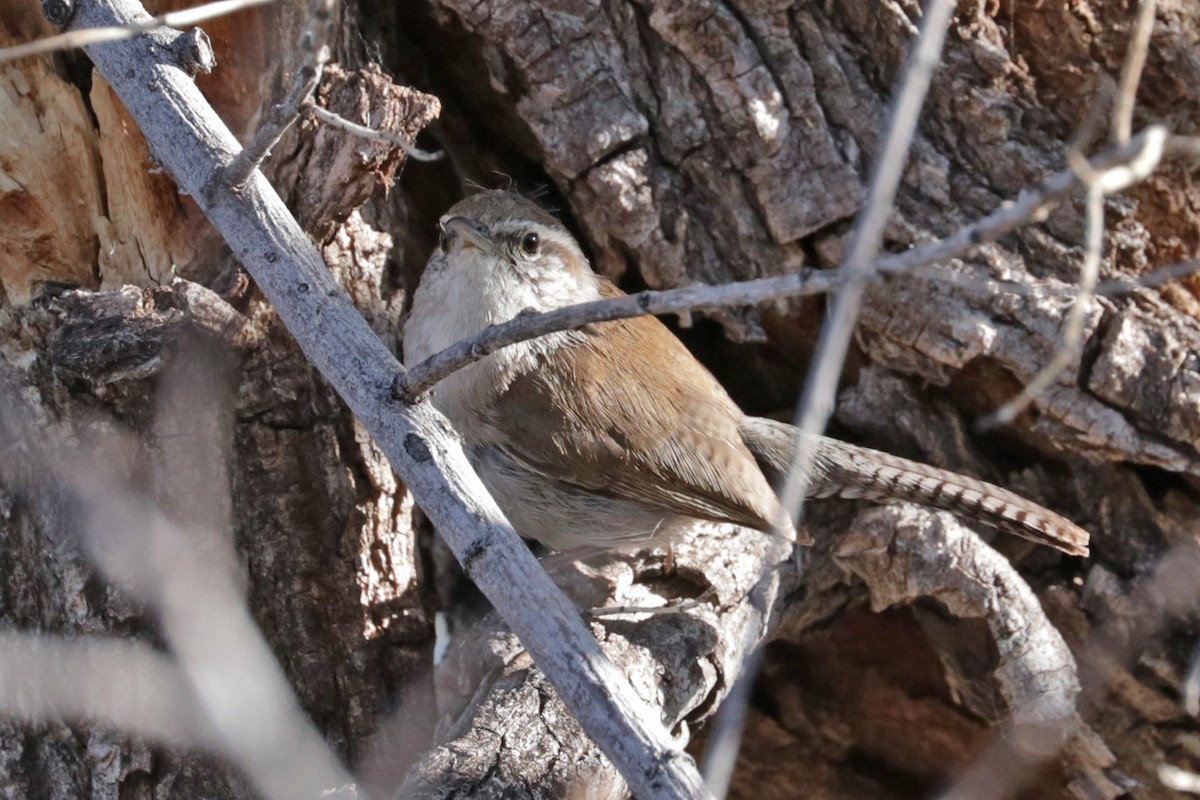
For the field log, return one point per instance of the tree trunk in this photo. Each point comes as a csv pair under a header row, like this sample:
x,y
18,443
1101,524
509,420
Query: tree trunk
x,y
684,142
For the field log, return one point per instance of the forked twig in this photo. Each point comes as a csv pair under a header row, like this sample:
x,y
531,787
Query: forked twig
x,y
315,44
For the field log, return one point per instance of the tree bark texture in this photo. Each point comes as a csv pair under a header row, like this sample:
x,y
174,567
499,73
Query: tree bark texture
x,y
713,141
684,142
322,527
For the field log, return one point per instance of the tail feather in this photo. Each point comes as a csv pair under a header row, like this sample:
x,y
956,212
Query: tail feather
x,y
848,471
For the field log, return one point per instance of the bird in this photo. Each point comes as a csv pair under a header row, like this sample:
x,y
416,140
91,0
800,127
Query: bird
x,y
613,435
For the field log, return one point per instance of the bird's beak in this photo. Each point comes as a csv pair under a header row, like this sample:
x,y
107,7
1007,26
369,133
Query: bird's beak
x,y
469,232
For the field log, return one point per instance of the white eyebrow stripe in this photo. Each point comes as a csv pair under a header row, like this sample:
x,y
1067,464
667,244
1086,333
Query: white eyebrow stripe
x,y
559,238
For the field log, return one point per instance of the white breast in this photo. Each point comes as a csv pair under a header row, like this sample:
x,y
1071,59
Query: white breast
x,y
457,301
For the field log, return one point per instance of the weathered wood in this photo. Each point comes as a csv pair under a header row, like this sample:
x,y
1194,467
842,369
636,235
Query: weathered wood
x,y
702,142
192,143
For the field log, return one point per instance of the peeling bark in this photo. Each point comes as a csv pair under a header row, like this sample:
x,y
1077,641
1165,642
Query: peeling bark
x,y
707,142
322,526
685,142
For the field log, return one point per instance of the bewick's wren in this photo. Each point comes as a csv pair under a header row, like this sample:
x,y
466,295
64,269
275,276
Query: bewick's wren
x,y
613,434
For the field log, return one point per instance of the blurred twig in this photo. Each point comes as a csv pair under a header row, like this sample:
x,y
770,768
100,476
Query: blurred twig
x,y
112,33
1178,779
193,145
117,684
315,45
221,687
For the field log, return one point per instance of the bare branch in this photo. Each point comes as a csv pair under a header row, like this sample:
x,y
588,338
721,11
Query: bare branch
x,y
330,118
194,146
1030,205
315,45
415,382
112,33
1131,72
816,405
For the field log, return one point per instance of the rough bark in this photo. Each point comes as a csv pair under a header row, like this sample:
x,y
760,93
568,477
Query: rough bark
x,y
710,141
685,142
322,527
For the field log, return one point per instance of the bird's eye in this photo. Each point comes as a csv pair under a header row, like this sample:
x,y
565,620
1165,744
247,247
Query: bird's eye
x,y
530,244
444,240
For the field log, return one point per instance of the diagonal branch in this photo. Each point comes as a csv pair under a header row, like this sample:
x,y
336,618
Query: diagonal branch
x,y
191,142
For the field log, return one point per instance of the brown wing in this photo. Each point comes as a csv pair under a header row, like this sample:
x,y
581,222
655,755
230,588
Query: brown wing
x,y
600,414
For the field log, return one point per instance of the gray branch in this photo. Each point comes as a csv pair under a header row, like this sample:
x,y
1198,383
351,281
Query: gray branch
x,y
189,140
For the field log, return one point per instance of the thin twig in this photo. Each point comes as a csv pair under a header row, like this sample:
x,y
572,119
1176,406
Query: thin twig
x,y
725,736
1110,288
1033,204
651,611
415,382
192,144
315,44
1100,184
1131,72
111,33
330,118
221,689
1073,329
816,405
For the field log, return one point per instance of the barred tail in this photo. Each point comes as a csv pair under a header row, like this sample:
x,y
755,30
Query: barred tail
x,y
852,472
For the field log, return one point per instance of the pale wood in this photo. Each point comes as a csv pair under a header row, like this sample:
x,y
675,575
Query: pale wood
x,y
192,143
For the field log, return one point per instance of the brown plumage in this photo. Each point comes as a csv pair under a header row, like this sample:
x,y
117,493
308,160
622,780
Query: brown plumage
x,y
658,432
613,434
858,473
